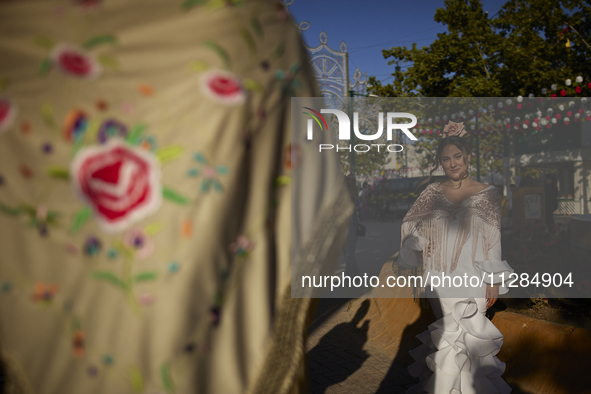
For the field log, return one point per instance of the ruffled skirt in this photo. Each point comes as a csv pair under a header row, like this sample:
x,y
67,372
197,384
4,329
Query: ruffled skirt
x,y
458,354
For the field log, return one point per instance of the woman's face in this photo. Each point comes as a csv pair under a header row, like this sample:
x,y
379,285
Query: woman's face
x,y
452,160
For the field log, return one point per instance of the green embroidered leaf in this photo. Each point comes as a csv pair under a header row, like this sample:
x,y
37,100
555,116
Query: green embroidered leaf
x,y
91,132
247,37
153,228
51,217
29,210
47,112
98,40
173,196
45,66
188,4
200,158
198,66
166,378
278,51
9,211
217,186
205,185
78,143
108,61
169,153
222,170
253,85
109,277
220,51
44,42
59,172
256,26
135,134
283,180
145,276
81,217
137,380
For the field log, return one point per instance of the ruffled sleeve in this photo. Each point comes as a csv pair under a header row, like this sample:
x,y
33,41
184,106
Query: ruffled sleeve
x,y
410,255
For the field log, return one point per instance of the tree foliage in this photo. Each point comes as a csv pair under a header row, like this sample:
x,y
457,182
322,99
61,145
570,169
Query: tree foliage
x,y
520,50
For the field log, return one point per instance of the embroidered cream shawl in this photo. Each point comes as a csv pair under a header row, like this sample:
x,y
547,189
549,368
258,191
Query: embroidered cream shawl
x,y
430,217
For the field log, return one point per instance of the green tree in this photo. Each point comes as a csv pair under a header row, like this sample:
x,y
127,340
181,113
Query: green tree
x,y
520,50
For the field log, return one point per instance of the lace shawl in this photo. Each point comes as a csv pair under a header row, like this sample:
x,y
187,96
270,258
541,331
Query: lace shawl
x,y
479,215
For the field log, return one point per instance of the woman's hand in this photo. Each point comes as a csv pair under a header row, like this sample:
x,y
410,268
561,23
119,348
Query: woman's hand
x,y
492,294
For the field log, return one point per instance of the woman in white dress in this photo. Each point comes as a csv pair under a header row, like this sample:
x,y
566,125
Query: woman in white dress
x,y
453,231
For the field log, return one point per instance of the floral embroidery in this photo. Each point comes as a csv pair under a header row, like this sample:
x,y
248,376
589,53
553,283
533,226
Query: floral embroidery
x,y
215,313
108,360
26,171
210,173
173,267
6,287
92,371
137,240
102,105
44,293
293,157
25,128
242,247
8,113
47,148
92,246
224,87
145,299
120,182
146,90
112,254
78,343
75,125
127,108
111,128
75,61
287,78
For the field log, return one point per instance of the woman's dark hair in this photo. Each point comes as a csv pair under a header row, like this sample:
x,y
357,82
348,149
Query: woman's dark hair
x,y
462,144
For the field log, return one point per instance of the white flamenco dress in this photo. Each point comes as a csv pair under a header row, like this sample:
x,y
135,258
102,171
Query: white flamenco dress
x,y
458,354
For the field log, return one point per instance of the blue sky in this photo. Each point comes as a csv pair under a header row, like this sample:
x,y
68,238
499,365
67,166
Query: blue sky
x,y
370,26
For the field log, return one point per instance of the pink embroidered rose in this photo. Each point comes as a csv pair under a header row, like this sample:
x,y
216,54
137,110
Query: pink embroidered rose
x,y
76,62
224,87
7,114
122,183
454,129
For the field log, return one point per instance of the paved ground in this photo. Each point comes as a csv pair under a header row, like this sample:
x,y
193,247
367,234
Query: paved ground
x,y
342,360
340,357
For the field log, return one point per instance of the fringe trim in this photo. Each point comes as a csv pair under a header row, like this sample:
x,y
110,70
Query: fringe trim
x,y
285,352
435,233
